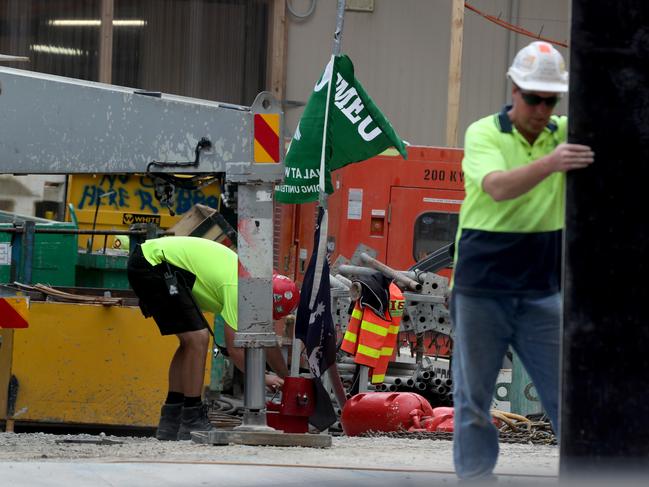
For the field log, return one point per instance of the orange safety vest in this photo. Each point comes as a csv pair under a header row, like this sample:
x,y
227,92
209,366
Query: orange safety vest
x,y
371,338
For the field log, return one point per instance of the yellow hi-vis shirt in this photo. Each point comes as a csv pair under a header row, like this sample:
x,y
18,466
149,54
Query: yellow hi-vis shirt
x,y
214,265
511,246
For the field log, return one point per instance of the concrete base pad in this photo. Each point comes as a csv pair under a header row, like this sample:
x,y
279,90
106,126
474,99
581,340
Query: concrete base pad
x,y
261,438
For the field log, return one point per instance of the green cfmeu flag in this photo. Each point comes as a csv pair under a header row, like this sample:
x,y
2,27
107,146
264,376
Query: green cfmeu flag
x,y
355,131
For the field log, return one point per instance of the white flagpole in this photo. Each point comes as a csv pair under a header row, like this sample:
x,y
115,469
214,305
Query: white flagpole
x,y
324,131
332,376
324,227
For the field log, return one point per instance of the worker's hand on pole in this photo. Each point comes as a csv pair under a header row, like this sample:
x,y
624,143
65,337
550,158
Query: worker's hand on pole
x,y
567,157
276,361
273,382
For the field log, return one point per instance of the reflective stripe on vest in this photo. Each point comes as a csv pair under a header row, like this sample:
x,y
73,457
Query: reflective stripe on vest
x,y
370,352
387,350
374,328
377,378
358,312
350,339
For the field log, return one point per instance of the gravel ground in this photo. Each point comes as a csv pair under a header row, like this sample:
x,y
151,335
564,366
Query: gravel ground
x,y
352,452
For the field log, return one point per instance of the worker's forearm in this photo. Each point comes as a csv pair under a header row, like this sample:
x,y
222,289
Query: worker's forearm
x,y
238,356
506,185
276,361
273,357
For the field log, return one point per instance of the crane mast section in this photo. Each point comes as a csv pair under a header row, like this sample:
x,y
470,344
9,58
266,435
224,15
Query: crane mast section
x,y
56,125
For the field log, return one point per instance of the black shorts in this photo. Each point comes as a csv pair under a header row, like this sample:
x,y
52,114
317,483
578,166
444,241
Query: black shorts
x,y
174,314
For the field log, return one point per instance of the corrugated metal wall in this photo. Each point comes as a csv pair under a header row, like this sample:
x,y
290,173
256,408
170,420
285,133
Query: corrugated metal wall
x,y
401,55
212,49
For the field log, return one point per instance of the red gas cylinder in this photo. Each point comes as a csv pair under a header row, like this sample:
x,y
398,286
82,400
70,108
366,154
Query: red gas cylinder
x,y
298,403
443,419
383,411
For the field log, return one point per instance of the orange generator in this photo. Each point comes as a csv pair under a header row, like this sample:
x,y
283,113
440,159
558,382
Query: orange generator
x,y
397,210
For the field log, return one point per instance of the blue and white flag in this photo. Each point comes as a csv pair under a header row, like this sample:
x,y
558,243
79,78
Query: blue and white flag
x,y
314,324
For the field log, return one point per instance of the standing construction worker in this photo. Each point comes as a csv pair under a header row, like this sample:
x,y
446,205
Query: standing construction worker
x,y
506,288
176,278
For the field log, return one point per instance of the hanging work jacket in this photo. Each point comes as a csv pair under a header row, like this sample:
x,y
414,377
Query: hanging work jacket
x,y
371,338
366,335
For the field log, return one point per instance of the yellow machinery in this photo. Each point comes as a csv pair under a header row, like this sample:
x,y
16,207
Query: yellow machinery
x,y
115,201
87,364
95,364
81,363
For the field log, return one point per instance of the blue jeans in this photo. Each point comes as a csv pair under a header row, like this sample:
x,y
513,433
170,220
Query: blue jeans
x,y
484,328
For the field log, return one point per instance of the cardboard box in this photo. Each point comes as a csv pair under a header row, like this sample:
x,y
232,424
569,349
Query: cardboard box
x,y
203,221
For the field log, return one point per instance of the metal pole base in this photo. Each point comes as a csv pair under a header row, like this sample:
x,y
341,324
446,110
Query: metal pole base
x,y
261,438
254,421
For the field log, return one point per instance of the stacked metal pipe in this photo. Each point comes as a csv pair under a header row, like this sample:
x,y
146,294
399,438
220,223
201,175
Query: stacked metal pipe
x,y
407,377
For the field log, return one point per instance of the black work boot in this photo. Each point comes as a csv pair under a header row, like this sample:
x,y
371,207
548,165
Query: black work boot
x,y
194,419
169,422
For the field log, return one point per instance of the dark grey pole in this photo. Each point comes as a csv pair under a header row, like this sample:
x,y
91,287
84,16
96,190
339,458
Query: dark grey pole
x,y
340,23
605,368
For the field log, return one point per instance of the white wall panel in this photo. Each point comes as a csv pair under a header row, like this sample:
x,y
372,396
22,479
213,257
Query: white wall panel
x,y
401,55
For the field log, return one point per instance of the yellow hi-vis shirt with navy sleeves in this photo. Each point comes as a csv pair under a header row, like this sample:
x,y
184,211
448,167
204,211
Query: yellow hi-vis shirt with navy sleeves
x,y
214,265
511,246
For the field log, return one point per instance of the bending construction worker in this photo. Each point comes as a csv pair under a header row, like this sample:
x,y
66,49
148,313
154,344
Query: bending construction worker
x,y
506,289
176,278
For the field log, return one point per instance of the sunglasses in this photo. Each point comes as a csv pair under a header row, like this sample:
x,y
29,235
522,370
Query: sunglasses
x,y
533,100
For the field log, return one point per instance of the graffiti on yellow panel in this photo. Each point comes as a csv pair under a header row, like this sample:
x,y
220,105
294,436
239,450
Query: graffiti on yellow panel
x,y
126,199
133,194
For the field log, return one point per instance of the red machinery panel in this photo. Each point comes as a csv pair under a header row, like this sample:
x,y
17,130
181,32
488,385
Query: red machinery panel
x,y
396,207
421,220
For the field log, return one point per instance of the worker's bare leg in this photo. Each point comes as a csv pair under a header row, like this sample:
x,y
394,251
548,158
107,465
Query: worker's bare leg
x,y
175,370
186,372
187,368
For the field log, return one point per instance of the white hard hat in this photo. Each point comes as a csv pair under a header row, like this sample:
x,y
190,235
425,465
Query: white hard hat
x,y
539,67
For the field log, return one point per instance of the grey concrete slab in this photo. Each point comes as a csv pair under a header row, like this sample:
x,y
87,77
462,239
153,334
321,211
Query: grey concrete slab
x,y
95,474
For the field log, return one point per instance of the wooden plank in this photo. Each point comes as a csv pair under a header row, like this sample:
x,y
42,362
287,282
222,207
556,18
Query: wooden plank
x,y
278,48
106,41
283,237
454,72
